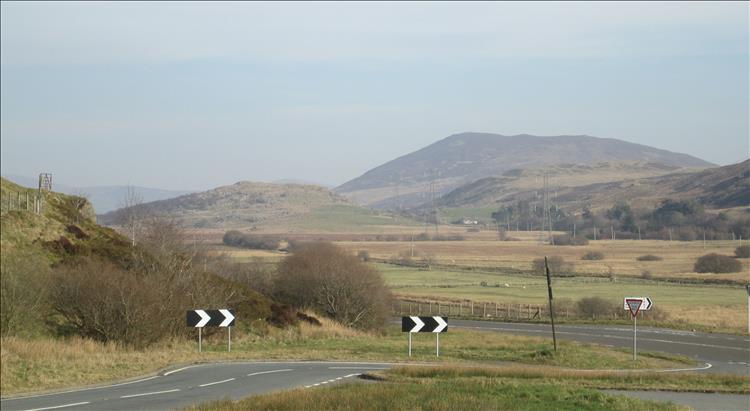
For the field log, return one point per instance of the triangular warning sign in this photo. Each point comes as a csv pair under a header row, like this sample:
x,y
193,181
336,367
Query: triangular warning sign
x,y
634,304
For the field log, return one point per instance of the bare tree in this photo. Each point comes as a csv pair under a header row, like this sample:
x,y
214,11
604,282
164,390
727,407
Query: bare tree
x,y
80,200
130,213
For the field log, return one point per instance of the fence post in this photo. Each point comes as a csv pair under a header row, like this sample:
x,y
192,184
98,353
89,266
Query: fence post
x,y
472,308
484,311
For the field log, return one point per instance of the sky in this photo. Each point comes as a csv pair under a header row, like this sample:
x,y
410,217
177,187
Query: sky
x,y
196,95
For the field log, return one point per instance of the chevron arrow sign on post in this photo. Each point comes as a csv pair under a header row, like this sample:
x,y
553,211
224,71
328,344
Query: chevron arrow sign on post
x,y
424,324
415,324
210,318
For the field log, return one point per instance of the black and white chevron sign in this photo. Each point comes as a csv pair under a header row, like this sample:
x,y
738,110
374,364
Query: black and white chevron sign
x,y
210,318
424,324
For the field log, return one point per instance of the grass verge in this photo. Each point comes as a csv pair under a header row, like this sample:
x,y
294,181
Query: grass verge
x,y
434,389
42,364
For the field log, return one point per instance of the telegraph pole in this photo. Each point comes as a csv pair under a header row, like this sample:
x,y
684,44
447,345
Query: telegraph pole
x,y
551,310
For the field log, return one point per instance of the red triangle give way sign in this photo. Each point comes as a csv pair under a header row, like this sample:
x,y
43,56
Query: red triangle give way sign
x,y
634,304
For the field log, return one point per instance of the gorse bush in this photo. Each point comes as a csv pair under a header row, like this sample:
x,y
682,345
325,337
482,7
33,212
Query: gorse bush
x,y
593,255
24,285
742,251
716,263
236,238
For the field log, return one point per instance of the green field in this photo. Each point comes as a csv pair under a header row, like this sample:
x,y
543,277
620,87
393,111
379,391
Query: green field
x,y
346,218
720,306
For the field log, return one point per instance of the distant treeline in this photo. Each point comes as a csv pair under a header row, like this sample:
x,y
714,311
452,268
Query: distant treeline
x,y
683,220
236,238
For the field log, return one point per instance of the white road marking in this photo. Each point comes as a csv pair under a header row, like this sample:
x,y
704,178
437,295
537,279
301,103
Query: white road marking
x,y
179,369
357,368
217,382
59,406
79,390
269,372
331,380
149,393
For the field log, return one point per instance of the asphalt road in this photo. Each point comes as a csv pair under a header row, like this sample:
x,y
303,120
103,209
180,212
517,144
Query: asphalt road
x,y
196,384
725,353
235,380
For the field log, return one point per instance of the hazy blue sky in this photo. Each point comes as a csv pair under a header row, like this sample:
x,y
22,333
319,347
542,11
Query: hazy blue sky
x,y
195,95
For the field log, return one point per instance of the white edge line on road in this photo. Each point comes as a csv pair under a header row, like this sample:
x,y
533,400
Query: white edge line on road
x,y
149,393
705,367
269,372
60,406
180,369
79,390
217,382
331,380
356,368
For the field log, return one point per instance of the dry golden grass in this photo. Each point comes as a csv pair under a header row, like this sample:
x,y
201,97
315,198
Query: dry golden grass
x,y
620,255
43,364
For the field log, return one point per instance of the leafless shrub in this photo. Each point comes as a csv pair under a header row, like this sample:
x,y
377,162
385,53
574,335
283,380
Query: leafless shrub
x,y
24,283
597,307
717,263
325,278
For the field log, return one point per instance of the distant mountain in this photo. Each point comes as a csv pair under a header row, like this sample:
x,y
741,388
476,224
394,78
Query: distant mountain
x,y
718,187
467,157
103,198
240,205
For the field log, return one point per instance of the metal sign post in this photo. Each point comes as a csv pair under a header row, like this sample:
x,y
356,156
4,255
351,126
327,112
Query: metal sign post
x,y
747,287
200,348
635,334
634,305
229,339
409,344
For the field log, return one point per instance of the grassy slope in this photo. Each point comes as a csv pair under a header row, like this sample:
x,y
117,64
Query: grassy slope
x,y
62,217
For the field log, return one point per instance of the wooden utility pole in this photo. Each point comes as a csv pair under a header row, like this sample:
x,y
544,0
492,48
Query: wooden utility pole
x,y
551,311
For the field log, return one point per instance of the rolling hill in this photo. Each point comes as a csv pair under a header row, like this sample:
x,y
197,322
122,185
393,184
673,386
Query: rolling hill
x,y
467,157
718,188
261,206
